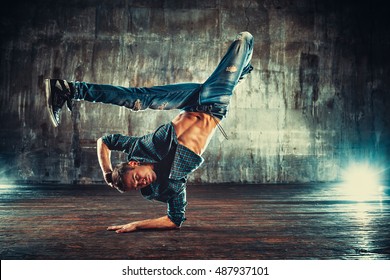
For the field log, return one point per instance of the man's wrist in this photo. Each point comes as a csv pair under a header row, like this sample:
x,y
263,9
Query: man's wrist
x,y
108,177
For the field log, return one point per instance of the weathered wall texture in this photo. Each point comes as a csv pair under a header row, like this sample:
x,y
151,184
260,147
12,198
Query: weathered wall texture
x,y
316,100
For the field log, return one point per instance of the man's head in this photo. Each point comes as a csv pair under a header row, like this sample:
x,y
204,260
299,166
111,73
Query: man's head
x,y
131,175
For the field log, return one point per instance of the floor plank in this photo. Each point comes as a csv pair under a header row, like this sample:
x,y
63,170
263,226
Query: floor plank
x,y
316,221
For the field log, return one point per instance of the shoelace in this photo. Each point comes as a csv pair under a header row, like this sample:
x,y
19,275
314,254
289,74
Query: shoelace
x,y
65,92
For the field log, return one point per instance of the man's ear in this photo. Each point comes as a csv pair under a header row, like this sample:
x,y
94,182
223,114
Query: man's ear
x,y
133,163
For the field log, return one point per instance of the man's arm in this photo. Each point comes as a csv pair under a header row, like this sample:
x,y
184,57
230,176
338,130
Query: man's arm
x,y
174,218
108,143
158,223
104,157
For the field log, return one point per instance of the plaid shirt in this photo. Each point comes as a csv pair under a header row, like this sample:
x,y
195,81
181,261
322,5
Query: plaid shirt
x,y
173,163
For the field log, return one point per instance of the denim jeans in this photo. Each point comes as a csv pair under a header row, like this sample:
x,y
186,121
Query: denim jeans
x,y
213,96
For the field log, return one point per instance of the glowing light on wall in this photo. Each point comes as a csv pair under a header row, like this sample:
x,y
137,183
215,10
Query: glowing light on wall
x,y
362,182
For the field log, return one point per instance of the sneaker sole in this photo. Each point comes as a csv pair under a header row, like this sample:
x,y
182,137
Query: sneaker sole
x,y
49,102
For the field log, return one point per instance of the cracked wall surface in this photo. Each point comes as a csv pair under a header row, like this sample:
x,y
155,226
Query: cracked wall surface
x,y
316,100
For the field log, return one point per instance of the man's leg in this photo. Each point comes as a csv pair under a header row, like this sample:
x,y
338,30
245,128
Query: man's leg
x,y
167,97
175,96
216,91
233,67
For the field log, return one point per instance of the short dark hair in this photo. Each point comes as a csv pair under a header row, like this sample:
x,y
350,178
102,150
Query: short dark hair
x,y
117,175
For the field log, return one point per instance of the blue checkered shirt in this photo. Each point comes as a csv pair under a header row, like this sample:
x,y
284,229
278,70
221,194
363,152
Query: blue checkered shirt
x,y
173,163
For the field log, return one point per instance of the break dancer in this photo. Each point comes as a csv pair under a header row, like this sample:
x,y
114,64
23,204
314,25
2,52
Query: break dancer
x,y
159,163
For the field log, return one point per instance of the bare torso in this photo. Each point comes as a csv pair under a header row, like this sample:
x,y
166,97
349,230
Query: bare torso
x,y
194,130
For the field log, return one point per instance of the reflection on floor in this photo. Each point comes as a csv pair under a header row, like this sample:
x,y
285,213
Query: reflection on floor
x,y
316,221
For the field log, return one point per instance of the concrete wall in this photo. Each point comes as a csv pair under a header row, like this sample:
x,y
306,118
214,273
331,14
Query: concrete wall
x,y
316,100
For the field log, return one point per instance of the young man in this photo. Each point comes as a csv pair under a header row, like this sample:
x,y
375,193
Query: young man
x,y
159,163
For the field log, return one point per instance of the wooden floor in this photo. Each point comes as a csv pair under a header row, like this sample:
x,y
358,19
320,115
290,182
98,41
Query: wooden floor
x,y
224,222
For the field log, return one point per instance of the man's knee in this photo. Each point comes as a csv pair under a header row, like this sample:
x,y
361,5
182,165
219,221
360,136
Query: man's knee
x,y
245,35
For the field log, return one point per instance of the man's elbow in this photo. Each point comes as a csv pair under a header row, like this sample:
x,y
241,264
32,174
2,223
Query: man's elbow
x,y
99,141
171,224
174,226
101,145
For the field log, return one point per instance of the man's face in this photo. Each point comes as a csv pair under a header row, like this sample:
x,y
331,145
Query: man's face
x,y
139,177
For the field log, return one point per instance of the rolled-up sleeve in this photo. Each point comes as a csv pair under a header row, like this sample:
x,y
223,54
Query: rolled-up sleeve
x,y
177,208
119,142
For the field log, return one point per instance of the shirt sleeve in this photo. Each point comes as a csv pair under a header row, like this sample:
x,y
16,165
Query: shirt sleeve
x,y
177,208
118,142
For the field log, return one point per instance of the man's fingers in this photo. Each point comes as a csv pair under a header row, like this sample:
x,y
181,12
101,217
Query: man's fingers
x,y
111,185
115,227
124,229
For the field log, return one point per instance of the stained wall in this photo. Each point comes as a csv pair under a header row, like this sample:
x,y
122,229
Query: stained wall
x,y
315,102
